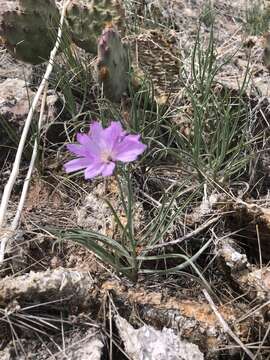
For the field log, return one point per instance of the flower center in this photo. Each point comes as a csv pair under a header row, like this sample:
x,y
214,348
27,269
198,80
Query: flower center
x,y
106,156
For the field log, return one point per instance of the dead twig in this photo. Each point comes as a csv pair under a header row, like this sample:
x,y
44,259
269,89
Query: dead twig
x,y
16,165
225,326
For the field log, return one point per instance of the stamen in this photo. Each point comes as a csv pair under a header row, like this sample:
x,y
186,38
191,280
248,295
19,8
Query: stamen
x,y
106,156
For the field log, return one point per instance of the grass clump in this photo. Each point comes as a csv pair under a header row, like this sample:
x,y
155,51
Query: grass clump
x,y
218,145
257,18
134,253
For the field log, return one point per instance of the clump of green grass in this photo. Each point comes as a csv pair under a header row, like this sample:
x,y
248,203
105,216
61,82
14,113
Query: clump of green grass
x,y
257,18
135,254
219,145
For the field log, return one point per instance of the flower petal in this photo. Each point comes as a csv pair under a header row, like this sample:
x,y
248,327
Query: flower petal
x,y
129,148
100,148
83,139
94,170
96,129
91,147
113,134
101,137
108,169
76,164
76,149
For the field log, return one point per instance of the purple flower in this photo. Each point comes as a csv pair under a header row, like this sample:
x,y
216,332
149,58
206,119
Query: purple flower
x,y
98,150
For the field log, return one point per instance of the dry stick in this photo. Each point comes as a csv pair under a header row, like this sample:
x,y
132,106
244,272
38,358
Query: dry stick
x,y
225,326
16,164
254,310
17,217
8,235
189,235
258,352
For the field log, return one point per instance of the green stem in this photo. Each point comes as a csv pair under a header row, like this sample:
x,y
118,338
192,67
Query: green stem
x,y
129,230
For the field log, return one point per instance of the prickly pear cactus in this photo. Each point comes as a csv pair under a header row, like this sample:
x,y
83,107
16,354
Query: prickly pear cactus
x,y
29,28
87,18
113,64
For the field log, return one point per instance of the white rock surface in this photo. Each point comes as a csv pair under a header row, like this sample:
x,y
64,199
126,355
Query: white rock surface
x,y
148,343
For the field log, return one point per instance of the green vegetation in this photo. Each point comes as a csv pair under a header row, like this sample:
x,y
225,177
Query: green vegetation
x,y
257,17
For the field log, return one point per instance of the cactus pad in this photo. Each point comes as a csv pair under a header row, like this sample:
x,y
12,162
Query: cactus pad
x,y
28,28
87,18
113,64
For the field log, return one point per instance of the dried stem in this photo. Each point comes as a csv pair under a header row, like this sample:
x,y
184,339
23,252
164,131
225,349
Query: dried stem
x,y
7,233
225,326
